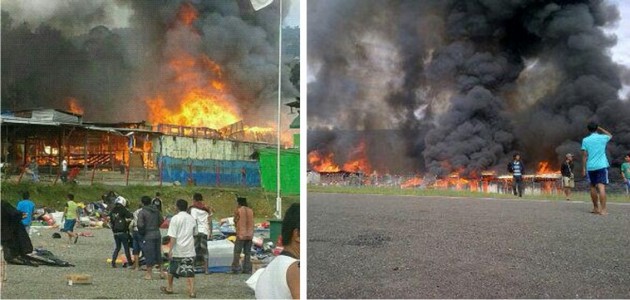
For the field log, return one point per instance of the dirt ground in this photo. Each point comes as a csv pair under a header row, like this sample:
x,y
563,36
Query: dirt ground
x,y
376,246
90,256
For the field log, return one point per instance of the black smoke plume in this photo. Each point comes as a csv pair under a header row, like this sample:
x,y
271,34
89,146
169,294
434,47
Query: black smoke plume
x,y
468,82
111,64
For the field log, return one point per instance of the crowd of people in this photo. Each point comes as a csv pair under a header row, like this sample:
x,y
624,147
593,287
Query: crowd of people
x,y
138,235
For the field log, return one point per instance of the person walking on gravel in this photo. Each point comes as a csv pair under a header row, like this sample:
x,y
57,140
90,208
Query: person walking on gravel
x,y
595,165
149,221
181,232
71,218
119,219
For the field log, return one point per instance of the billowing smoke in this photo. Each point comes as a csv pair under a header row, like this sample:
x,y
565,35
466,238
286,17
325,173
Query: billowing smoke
x,y
468,82
111,56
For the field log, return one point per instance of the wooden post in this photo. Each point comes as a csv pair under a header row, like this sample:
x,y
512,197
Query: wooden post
x,y
217,170
160,166
85,153
57,177
21,175
127,180
93,171
109,149
190,174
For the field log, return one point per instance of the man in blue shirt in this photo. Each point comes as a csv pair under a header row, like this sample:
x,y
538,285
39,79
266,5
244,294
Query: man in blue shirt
x,y
595,165
26,207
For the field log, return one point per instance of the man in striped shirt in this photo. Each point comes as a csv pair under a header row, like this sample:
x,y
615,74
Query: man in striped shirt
x,y
516,168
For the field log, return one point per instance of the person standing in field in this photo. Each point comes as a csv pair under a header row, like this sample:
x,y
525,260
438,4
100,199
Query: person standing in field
x,y
149,221
181,231
26,206
244,223
203,217
625,172
71,217
568,178
596,164
517,169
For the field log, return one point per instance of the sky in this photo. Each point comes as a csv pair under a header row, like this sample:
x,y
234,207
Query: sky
x,y
621,52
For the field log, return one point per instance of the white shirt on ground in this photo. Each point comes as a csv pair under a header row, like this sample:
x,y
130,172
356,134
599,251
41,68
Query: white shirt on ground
x,y
272,283
201,216
183,227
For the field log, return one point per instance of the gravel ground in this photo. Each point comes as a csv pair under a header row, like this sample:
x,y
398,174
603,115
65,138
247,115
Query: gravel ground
x,y
90,257
368,246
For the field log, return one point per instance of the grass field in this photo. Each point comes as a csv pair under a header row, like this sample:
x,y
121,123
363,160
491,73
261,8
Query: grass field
x,y
576,195
221,199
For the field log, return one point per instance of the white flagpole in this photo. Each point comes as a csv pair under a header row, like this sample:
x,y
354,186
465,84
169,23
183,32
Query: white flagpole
x,y
278,212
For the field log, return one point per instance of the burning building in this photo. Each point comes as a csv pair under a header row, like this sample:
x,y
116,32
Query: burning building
x,y
196,155
460,86
204,76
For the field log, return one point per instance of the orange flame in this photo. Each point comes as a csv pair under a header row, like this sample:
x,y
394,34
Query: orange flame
x,y
187,14
73,106
413,182
322,162
359,161
196,108
544,168
202,100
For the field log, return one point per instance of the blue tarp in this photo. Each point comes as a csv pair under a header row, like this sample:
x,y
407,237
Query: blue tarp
x,y
211,172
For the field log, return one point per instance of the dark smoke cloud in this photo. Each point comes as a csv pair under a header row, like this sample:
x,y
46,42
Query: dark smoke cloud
x,y
112,64
476,80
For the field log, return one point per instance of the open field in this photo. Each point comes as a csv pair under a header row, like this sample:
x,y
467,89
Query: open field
x,y
90,255
221,199
392,246
577,195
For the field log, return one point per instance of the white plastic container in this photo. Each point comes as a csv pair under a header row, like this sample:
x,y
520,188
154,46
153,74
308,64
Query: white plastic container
x,y
220,253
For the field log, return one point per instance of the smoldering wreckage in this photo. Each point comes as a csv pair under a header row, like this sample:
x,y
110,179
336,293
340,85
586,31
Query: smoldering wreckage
x,y
452,89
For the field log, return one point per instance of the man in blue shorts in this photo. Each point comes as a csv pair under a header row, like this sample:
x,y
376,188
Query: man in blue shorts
x,y
594,161
71,218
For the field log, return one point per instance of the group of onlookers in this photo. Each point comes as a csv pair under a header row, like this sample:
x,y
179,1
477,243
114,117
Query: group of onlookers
x,y
188,233
594,168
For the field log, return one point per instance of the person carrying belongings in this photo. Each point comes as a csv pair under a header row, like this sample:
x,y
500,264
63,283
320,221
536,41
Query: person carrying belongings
x,y
119,219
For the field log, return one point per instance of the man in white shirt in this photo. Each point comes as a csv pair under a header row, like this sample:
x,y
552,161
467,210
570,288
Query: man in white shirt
x,y
181,231
203,216
281,278
64,171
